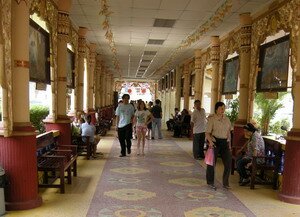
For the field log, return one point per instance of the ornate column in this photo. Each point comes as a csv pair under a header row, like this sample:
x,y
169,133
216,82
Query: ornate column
x,y
18,151
62,121
291,175
108,89
102,86
81,56
90,79
178,87
245,62
186,86
198,75
97,82
215,60
112,84
105,84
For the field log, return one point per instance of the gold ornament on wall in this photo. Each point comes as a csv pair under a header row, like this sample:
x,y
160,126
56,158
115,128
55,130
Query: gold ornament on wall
x,y
104,11
283,18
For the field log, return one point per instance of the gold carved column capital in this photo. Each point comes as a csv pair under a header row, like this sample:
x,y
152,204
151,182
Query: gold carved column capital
x,y
215,50
82,41
198,57
63,26
246,32
92,53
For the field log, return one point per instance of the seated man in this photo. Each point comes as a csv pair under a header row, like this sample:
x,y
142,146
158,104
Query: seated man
x,y
171,122
88,129
255,146
181,123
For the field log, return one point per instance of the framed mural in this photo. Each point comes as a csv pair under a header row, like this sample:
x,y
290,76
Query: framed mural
x,y
274,66
230,79
70,69
39,54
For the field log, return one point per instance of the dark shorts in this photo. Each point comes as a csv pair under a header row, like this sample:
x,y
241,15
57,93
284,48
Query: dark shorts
x,y
149,126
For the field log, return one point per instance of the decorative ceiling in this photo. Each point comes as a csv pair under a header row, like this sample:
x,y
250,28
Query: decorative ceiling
x,y
145,39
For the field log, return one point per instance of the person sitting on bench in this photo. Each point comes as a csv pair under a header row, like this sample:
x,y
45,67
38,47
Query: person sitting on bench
x,y
255,146
88,129
171,122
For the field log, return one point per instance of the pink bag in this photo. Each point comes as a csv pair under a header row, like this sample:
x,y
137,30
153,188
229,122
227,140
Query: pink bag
x,y
209,157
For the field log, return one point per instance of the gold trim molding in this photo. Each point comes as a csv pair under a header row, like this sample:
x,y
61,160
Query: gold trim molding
x,y
21,63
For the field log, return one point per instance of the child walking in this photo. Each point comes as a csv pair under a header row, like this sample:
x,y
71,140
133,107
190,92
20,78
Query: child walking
x,y
142,118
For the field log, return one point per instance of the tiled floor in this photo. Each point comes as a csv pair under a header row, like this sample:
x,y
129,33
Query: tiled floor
x,y
75,202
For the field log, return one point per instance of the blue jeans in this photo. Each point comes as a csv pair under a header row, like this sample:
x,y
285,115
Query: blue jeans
x,y
156,122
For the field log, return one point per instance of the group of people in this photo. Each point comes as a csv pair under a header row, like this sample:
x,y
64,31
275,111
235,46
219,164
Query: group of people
x,y
180,123
141,119
83,122
216,132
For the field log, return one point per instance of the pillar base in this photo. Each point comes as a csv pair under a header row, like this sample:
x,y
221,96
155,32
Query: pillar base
x,y
10,206
290,191
18,158
63,124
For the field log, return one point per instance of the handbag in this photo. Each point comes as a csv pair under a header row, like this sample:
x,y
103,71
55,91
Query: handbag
x,y
209,157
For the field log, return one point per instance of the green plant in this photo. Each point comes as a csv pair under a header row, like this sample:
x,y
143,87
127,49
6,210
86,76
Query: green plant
x,y
267,110
276,127
233,110
37,114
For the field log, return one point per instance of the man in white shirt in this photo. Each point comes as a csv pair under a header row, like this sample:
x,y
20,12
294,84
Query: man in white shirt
x,y
88,129
124,116
198,124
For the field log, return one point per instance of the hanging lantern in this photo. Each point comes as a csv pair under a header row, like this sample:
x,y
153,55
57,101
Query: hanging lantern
x,y
129,91
143,91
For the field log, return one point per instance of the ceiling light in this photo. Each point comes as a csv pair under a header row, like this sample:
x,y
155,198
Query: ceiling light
x,y
155,41
167,23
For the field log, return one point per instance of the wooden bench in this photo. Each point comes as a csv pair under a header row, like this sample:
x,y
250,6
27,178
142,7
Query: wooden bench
x,y
267,172
273,153
83,148
53,160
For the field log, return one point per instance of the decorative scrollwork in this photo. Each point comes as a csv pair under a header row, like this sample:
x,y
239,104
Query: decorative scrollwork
x,y
283,18
211,23
6,76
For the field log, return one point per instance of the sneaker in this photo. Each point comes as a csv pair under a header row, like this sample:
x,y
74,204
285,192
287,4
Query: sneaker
x,y
212,186
240,180
129,151
245,182
152,138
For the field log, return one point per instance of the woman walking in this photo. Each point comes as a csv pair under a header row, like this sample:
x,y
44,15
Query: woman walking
x,y
142,118
218,135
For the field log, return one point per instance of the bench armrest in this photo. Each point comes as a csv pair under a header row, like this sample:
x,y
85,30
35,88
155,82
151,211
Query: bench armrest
x,y
68,147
